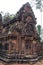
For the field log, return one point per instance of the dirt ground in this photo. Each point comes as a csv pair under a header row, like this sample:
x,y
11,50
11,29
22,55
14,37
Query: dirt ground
x,y
40,62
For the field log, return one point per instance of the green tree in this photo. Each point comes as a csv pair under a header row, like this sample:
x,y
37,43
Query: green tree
x,y
39,29
39,5
7,17
39,32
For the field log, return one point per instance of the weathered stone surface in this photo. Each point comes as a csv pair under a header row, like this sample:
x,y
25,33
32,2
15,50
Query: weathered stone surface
x,y
20,38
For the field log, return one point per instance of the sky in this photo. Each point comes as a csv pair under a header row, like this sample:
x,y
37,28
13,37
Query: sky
x,y
12,6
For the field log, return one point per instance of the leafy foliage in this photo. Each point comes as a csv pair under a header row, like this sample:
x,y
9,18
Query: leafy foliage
x,y
7,17
39,4
39,29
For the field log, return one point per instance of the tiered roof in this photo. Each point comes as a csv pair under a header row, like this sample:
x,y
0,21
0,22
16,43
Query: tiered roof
x,y
24,22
